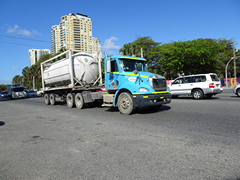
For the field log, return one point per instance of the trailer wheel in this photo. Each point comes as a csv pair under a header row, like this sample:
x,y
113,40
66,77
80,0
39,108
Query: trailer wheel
x,y
125,103
70,100
46,99
79,101
52,99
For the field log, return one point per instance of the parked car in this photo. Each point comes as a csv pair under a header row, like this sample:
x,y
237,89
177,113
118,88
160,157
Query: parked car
x,y
236,90
40,92
31,93
198,86
4,95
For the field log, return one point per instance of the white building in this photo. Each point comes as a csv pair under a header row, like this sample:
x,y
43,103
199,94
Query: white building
x,y
55,39
34,54
96,46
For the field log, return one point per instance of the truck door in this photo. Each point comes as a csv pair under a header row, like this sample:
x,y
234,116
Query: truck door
x,y
112,79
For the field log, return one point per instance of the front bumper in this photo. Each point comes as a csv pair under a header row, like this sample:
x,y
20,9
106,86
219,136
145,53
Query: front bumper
x,y
141,100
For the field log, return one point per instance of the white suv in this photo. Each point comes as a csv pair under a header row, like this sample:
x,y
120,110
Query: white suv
x,y
198,85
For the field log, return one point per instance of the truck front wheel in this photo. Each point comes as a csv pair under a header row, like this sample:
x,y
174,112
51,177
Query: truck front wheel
x,y
46,99
70,100
79,101
125,103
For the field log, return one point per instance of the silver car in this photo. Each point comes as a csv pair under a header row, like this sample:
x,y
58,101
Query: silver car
x,y
236,90
197,85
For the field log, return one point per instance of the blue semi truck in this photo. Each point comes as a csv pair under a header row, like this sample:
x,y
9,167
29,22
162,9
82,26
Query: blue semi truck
x,y
78,80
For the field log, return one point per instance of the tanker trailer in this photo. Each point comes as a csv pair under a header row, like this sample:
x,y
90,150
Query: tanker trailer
x,y
76,78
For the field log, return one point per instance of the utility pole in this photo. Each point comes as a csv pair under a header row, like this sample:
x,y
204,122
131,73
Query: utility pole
x,y
235,72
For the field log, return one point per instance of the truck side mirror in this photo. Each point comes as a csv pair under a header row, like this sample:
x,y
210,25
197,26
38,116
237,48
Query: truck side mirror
x,y
108,66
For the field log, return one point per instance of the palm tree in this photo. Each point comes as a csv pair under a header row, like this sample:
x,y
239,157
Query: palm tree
x,y
17,79
33,73
36,72
27,77
129,49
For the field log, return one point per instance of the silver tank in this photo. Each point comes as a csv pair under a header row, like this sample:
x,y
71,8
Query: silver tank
x,y
85,70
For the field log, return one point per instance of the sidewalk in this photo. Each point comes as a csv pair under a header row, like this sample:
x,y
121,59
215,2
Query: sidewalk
x,y
231,87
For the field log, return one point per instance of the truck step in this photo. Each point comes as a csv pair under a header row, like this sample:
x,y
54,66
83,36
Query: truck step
x,y
107,105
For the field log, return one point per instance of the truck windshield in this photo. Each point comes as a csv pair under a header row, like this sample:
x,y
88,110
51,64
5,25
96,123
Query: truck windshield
x,y
20,89
131,65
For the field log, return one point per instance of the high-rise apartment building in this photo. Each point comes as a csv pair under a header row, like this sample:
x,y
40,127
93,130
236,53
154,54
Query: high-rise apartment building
x,y
76,32
55,39
34,54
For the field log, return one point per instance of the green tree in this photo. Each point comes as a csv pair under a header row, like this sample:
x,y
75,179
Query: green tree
x,y
127,49
3,87
147,44
27,78
35,71
134,48
43,58
191,57
17,79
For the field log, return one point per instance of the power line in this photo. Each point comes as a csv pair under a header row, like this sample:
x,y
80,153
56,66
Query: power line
x,y
22,44
25,38
39,41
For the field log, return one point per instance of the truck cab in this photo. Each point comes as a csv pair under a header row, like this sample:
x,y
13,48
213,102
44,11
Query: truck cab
x,y
130,85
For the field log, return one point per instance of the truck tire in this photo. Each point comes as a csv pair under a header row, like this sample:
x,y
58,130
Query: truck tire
x,y
52,99
197,94
70,100
79,101
46,99
125,103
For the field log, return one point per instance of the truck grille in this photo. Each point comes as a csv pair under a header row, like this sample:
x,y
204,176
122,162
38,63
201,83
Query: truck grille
x,y
160,84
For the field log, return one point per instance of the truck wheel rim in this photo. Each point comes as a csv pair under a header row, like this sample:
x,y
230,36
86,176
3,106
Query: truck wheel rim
x,y
125,103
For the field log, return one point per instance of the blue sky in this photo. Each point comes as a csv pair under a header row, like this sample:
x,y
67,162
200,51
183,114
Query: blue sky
x,y
114,24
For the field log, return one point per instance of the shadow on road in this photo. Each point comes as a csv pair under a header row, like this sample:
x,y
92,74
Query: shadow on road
x,y
145,110
5,99
2,123
235,97
191,98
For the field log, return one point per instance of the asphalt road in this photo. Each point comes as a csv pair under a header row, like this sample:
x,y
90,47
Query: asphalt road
x,y
186,139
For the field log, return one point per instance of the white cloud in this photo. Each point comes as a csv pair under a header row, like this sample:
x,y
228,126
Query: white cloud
x,y
14,67
17,30
24,32
12,30
7,79
109,44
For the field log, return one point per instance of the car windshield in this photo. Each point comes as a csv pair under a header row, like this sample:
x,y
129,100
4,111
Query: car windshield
x,y
30,91
4,93
131,65
214,78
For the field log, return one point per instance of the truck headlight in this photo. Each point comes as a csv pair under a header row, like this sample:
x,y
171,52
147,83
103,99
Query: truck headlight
x,y
143,90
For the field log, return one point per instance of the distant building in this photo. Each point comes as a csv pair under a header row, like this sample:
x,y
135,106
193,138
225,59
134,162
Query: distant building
x,y
34,54
55,39
96,46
